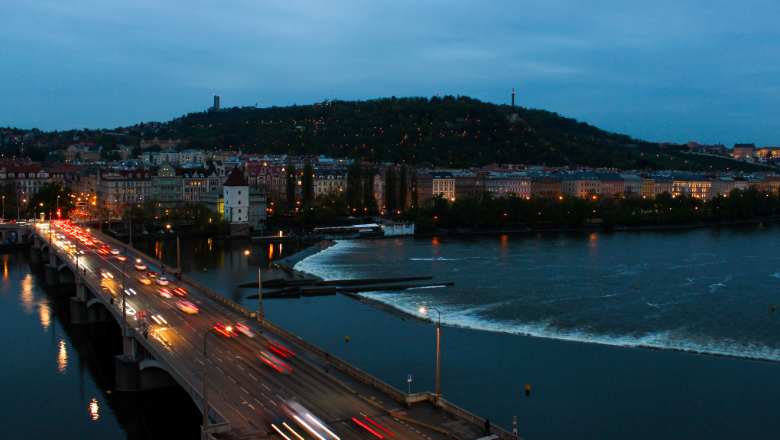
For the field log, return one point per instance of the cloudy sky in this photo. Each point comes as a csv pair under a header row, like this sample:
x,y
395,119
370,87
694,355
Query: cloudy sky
x,y
684,70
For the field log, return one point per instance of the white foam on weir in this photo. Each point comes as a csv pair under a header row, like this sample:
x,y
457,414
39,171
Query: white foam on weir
x,y
678,340
320,264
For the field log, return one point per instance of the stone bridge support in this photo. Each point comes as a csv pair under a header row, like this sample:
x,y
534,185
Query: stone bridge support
x,y
137,370
86,308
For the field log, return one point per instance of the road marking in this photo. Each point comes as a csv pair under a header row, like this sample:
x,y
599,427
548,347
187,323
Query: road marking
x,y
188,343
266,387
250,405
215,348
273,402
220,369
231,379
239,366
261,403
212,363
244,389
196,358
250,375
220,359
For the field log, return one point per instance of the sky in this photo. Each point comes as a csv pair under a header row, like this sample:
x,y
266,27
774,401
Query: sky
x,y
676,71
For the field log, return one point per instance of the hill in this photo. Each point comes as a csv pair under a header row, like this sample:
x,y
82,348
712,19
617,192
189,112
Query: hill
x,y
448,131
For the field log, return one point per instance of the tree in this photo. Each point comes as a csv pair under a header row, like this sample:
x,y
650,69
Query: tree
x,y
390,189
402,190
47,195
11,203
415,191
369,199
354,184
291,185
307,183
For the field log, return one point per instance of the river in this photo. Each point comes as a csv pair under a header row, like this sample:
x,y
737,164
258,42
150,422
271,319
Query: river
x,y
590,300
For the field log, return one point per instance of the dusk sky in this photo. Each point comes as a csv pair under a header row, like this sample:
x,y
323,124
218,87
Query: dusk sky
x,y
704,71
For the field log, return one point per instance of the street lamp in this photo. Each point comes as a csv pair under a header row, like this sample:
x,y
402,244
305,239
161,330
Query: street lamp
x,y
438,350
124,293
205,383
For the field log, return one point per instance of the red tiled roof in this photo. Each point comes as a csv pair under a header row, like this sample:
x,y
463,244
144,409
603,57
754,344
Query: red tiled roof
x,y
236,178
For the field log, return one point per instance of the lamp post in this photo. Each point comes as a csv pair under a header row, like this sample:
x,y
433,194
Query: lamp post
x,y
205,384
3,207
438,350
124,293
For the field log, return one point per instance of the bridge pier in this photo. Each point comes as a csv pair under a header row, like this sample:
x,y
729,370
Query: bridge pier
x,y
134,372
86,308
51,273
36,263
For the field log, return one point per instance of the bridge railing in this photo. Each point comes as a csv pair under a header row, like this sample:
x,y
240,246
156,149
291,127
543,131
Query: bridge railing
x,y
333,360
196,396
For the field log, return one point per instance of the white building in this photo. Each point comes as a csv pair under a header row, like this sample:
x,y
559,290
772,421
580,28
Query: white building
x,y
236,202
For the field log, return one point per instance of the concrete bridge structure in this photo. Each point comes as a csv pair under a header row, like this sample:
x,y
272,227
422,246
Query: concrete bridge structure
x,y
250,395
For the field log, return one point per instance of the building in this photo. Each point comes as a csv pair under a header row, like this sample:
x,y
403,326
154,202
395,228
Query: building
x,y
26,180
504,184
582,184
545,186
258,212
443,183
722,186
633,185
164,144
612,184
468,184
692,185
216,103
648,188
424,187
167,189
329,181
117,191
663,184
744,151
236,202
195,183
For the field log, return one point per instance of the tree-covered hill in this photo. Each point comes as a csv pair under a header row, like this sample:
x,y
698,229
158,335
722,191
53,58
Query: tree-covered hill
x,y
448,131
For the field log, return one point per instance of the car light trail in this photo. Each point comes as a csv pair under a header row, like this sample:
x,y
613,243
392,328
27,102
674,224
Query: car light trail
x,y
279,431
292,430
306,425
378,426
323,427
364,425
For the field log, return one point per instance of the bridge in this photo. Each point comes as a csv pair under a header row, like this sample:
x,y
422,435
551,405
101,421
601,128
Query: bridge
x,y
262,383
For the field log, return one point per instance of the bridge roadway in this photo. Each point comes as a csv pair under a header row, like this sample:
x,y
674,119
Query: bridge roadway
x,y
242,387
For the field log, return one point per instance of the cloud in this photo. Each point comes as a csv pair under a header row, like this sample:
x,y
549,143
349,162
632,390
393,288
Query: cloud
x,y
677,71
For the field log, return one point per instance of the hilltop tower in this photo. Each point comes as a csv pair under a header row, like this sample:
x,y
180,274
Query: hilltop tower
x,y
513,97
216,103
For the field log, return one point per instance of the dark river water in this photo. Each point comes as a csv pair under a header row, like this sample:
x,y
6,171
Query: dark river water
x,y
705,291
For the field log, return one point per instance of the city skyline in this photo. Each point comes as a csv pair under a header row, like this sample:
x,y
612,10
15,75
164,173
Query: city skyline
x,y
679,73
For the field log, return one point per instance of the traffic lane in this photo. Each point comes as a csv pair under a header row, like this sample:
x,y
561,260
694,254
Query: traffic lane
x,y
302,384
327,400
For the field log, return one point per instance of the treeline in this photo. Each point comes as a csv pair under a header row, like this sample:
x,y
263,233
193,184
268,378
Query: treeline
x,y
444,132
487,212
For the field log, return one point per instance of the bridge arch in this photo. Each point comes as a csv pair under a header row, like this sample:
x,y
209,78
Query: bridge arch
x,y
154,375
98,312
66,274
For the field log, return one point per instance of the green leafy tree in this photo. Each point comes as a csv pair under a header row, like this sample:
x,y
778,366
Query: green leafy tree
x,y
391,202
415,191
307,183
48,196
354,185
402,188
369,199
291,186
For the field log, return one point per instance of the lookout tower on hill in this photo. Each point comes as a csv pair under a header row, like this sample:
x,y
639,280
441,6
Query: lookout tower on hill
x,y
236,202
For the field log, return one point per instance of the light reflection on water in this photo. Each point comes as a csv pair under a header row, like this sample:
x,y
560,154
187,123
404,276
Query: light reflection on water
x,y
28,295
45,311
93,409
62,358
